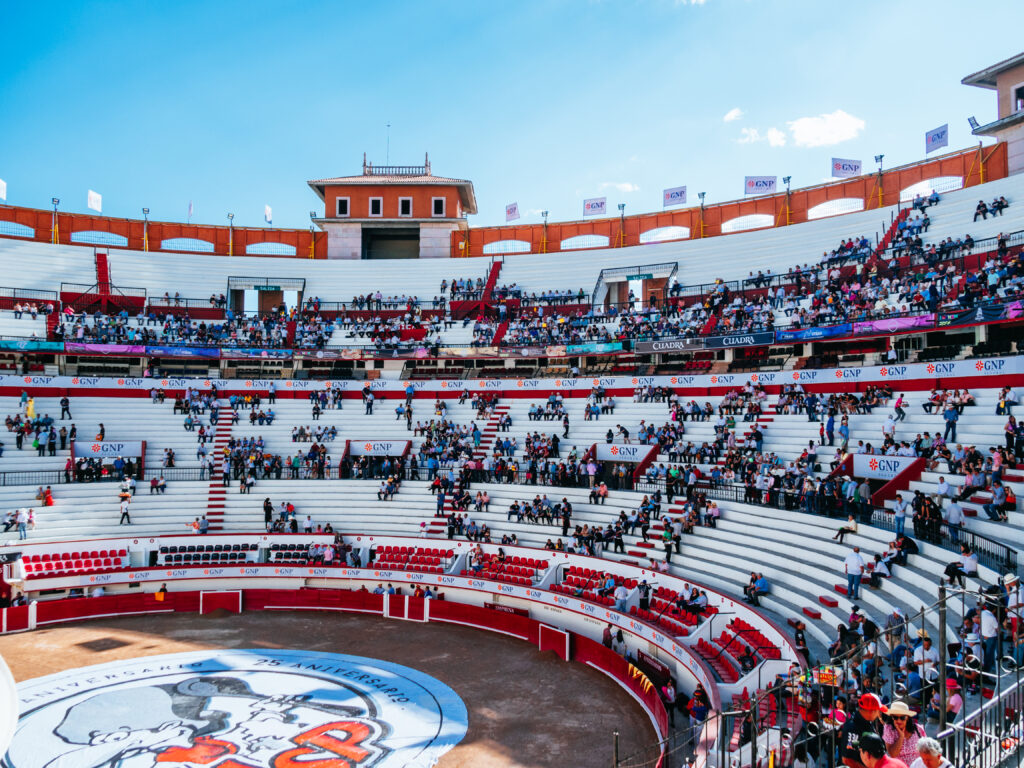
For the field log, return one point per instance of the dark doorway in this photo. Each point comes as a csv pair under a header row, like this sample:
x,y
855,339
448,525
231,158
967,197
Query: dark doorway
x,y
391,243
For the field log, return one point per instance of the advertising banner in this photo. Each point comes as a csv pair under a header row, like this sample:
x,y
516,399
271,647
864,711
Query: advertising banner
x,y
511,211
673,196
103,349
240,353
205,352
27,345
811,334
108,449
621,452
595,206
936,138
844,169
759,185
668,345
329,354
985,313
866,465
594,348
892,324
753,339
378,447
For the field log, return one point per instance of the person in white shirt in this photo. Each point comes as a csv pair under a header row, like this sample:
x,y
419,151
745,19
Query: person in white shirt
x,y
853,566
929,753
943,488
989,638
620,595
926,659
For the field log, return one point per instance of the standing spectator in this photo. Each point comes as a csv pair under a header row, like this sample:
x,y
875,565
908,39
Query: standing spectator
x,y
853,566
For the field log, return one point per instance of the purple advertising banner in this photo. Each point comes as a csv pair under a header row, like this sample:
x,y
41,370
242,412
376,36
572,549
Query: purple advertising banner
x,y
892,324
103,349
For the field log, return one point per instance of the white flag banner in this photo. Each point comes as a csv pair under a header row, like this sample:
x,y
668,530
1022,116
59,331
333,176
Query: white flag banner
x,y
673,196
759,185
268,215
511,211
3,190
844,169
96,201
190,210
595,206
937,138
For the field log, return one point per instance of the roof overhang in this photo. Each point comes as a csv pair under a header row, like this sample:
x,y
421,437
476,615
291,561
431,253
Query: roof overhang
x,y
466,194
986,78
997,127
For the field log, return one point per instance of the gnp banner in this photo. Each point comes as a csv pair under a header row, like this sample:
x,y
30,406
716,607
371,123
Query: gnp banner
x,y
511,211
595,206
378,447
875,467
893,324
673,196
621,452
759,185
108,449
936,138
844,169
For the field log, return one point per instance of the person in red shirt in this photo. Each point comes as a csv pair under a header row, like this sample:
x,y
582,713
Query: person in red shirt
x,y
873,753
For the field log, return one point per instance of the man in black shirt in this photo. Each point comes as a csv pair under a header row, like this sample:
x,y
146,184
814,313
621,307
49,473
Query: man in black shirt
x,y
867,719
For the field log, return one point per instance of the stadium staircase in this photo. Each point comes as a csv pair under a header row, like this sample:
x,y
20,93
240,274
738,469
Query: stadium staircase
x,y
492,280
216,494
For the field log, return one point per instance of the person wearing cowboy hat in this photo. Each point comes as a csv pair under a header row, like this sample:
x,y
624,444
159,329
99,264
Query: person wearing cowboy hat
x,y
1014,597
867,719
901,733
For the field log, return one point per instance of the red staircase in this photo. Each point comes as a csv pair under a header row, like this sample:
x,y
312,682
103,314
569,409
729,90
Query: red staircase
x,y
492,280
291,334
216,494
102,273
499,333
890,233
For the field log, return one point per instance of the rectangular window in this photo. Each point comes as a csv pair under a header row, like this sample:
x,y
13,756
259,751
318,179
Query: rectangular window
x,y
405,207
341,207
439,207
376,206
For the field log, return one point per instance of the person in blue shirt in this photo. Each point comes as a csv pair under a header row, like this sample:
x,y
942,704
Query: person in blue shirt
x,y
830,429
951,416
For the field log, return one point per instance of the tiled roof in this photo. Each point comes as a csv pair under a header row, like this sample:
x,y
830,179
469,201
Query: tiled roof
x,y
387,179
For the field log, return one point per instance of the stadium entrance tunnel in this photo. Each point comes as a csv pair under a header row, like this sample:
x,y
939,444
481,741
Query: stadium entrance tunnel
x,y
390,242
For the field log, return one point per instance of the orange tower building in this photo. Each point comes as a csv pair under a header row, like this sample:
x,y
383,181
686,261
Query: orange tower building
x,y
393,212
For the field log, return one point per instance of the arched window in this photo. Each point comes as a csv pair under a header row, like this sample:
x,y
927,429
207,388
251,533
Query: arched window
x,y
835,207
507,246
186,244
754,221
661,234
270,249
14,229
584,241
94,237
939,184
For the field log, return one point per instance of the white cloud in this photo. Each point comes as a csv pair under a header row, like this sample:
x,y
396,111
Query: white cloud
x,y
775,137
825,130
733,114
620,186
690,2
748,136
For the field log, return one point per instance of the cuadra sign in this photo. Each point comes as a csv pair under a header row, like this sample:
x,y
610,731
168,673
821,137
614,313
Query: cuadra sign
x,y
237,709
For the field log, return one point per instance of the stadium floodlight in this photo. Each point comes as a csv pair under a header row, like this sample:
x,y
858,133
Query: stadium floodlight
x,y
785,180
545,215
878,159
231,217
56,202
145,213
312,215
973,122
622,206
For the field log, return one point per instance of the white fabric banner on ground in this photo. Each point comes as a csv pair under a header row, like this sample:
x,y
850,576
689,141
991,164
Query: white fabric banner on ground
x,y
595,206
759,185
108,449
936,139
511,211
95,201
844,169
875,467
673,196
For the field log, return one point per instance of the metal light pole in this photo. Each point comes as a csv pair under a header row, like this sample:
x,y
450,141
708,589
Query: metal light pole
x,y
622,224
312,235
878,159
701,196
54,234
786,180
544,239
231,234
145,229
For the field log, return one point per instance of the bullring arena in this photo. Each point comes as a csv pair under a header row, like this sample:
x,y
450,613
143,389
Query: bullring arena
x,y
648,490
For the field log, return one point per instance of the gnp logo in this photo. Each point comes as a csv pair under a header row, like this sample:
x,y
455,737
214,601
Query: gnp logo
x,y
643,381
937,136
723,379
990,365
177,383
805,375
88,381
849,373
489,384
256,709
889,467
760,184
681,380
39,380
528,383
213,572
846,166
566,383
130,382
940,367
892,371
626,451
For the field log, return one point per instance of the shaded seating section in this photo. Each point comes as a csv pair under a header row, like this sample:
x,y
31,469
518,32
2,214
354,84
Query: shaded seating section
x,y
429,560
725,667
590,581
73,563
523,571
203,554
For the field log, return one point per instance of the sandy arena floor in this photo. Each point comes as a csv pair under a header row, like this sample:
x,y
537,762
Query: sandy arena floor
x,y
526,709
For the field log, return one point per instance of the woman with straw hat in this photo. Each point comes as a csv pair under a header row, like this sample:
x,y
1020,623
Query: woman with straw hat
x,y
901,733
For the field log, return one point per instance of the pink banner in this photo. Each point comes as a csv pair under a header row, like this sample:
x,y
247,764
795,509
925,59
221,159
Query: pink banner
x,y
103,349
893,324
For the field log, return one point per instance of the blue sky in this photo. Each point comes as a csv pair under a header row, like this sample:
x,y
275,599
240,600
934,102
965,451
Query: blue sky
x,y
236,105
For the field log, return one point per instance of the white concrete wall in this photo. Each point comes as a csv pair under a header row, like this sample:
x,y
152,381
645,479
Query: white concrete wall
x,y
344,241
435,239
